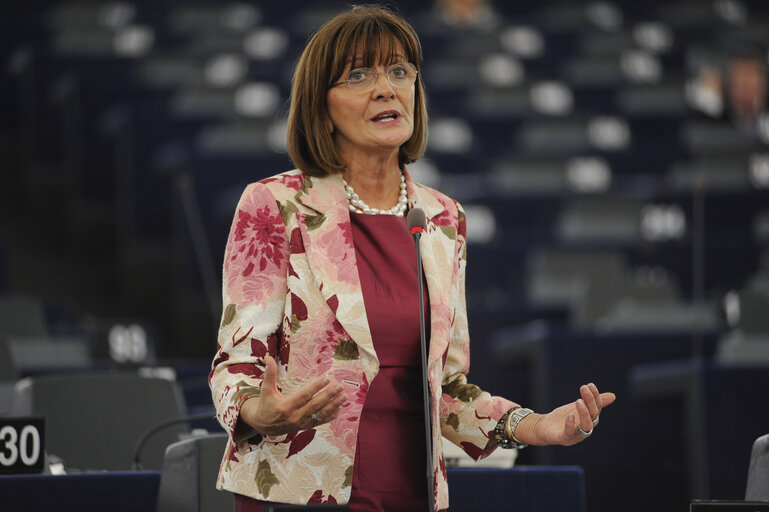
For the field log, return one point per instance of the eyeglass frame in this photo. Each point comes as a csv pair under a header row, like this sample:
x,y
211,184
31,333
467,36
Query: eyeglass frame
x,y
385,72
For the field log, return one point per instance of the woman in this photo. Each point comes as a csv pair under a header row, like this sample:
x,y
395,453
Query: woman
x,y
317,374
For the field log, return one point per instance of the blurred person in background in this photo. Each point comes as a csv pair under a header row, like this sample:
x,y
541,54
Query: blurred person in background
x,y
735,91
317,376
472,14
452,18
746,91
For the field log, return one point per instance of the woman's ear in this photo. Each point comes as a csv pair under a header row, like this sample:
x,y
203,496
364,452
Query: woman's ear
x,y
329,125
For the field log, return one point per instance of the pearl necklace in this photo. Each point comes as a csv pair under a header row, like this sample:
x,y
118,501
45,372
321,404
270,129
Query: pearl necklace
x,y
358,206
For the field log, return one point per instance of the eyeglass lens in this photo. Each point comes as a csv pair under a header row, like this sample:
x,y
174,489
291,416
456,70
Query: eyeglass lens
x,y
399,75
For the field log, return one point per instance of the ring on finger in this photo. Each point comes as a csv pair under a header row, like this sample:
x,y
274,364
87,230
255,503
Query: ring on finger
x,y
595,421
582,433
315,418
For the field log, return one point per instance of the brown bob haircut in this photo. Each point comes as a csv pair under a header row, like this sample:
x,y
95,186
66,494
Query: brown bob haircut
x,y
373,34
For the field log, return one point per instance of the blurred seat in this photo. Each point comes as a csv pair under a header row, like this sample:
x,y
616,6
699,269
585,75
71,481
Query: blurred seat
x,y
560,137
600,220
663,100
758,472
22,315
501,104
521,177
39,355
716,173
8,376
635,316
452,74
753,307
638,289
190,470
604,134
687,15
575,18
6,397
707,138
604,294
8,372
198,18
593,70
94,421
748,341
4,264
560,277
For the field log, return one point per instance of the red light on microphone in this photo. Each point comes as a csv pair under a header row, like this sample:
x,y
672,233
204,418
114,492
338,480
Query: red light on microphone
x,y
417,221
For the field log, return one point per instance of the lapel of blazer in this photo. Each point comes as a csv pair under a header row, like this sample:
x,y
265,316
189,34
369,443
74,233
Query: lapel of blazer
x,y
332,257
331,254
438,254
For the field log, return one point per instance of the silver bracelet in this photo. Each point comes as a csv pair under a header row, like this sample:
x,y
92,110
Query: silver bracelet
x,y
504,432
515,419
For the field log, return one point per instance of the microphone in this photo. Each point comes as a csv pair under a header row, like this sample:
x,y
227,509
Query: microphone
x,y
417,223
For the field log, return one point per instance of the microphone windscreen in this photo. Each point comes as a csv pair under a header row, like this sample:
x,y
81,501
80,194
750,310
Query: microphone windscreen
x,y
416,219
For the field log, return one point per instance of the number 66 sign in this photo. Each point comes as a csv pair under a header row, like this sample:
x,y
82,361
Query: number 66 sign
x,y
22,445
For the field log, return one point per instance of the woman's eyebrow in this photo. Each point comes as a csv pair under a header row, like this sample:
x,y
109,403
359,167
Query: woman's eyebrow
x,y
351,61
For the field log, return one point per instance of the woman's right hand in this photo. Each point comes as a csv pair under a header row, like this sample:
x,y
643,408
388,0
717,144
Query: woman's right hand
x,y
275,414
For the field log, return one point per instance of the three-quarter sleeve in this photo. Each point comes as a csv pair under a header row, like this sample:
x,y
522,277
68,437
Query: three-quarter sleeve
x,y
468,414
254,290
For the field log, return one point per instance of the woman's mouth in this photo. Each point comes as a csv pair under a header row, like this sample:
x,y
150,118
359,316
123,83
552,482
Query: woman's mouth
x,y
386,116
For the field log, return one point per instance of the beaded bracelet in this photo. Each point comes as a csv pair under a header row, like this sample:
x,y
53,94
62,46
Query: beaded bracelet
x,y
504,432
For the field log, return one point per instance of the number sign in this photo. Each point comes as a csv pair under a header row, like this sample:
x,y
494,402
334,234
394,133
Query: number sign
x,y
22,445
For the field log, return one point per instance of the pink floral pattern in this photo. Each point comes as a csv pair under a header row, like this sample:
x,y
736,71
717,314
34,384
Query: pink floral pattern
x,y
290,181
256,250
336,254
346,430
291,289
315,346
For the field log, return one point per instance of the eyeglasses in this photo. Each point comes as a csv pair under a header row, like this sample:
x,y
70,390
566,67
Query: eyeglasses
x,y
402,74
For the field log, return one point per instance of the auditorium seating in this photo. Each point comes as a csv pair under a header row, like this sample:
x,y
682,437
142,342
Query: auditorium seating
x,y
713,398
611,223
30,355
191,466
540,489
22,315
758,472
190,470
94,421
4,265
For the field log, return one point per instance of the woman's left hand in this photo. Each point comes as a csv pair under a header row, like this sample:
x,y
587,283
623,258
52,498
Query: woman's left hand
x,y
574,422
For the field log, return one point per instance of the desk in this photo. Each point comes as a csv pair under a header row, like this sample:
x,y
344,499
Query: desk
x,y
620,469
724,412
536,489
533,488
113,491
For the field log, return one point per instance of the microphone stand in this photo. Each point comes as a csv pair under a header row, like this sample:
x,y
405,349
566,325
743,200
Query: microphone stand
x,y
416,232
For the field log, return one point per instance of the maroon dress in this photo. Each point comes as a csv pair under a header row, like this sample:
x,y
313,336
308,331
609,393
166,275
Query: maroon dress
x,y
390,456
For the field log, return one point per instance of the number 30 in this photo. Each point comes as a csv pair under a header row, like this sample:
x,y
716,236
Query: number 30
x,y
28,445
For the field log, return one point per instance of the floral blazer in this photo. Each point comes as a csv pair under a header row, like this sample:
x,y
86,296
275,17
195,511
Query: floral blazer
x,y
291,289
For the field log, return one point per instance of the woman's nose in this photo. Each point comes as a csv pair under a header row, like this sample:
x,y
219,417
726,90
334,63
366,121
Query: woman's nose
x,y
383,87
